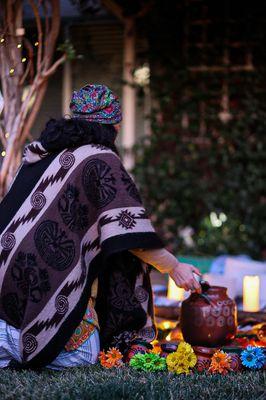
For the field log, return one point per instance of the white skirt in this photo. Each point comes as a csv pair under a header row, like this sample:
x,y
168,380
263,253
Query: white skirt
x,y
85,354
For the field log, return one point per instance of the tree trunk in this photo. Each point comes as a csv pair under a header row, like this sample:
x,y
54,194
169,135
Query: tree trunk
x,y
19,115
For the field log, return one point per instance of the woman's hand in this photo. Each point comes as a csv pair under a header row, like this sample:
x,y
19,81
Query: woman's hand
x,y
183,277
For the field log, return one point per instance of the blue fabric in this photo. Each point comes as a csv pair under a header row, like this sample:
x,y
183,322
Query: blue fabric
x,y
218,264
86,354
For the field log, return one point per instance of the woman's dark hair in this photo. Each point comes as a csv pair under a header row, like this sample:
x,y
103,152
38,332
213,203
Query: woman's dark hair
x,y
59,134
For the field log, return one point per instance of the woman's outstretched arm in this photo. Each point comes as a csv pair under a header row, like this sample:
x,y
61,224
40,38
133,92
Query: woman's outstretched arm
x,y
166,262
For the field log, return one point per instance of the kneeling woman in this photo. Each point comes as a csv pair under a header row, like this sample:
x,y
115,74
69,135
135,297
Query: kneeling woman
x,y
75,245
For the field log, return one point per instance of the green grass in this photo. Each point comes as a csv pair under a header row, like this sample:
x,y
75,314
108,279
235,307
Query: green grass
x,y
96,383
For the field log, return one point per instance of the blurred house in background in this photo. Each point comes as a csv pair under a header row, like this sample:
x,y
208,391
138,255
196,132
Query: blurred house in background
x,y
114,39
197,68
110,49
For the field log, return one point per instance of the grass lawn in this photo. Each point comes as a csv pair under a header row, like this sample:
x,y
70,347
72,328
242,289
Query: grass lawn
x,y
96,383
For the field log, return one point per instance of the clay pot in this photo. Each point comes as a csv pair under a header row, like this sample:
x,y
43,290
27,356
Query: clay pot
x,y
262,334
204,355
209,319
167,348
236,363
137,346
234,353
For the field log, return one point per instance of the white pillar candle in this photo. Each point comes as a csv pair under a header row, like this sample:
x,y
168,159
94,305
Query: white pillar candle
x,y
175,292
128,136
251,293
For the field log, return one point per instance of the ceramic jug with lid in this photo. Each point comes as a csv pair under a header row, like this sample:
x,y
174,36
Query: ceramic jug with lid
x,y
209,319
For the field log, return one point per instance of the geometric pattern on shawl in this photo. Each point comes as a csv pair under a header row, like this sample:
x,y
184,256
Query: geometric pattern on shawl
x,y
84,208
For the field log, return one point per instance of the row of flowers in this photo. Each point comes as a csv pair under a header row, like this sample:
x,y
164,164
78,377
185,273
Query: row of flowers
x,y
183,360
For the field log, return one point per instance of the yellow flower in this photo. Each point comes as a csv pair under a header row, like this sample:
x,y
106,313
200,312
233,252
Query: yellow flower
x,y
192,360
182,359
177,363
172,359
182,369
171,368
185,347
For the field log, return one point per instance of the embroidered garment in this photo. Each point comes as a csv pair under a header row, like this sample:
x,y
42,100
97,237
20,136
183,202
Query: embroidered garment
x,y
67,219
85,354
85,328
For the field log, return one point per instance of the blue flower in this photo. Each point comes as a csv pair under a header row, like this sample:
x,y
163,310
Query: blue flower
x,y
253,357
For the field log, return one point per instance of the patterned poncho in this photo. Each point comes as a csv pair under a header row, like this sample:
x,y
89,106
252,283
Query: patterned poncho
x,y
67,219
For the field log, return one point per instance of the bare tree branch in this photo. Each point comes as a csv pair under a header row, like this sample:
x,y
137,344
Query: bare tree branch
x,y
30,58
54,67
53,33
19,115
40,33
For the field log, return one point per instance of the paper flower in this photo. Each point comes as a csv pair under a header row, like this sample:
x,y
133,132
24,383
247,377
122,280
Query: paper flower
x,y
177,364
186,352
113,355
182,359
103,360
148,362
220,363
185,348
159,364
112,358
137,361
253,357
156,349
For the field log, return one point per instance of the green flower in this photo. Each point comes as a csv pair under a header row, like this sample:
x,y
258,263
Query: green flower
x,y
159,364
148,362
137,361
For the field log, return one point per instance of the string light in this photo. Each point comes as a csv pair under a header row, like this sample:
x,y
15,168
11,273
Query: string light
x,y
3,153
36,44
11,71
19,45
2,40
24,59
7,135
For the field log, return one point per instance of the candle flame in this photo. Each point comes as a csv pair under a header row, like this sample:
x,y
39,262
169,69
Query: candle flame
x,y
168,337
166,325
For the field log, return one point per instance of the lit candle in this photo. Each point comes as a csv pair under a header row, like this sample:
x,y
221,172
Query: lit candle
x,y
174,292
251,293
168,337
166,324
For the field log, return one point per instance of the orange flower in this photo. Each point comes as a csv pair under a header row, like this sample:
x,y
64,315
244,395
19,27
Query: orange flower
x,y
107,364
113,355
102,356
220,363
103,360
156,349
112,358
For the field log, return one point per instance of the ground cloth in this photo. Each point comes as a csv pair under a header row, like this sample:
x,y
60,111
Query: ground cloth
x,y
68,218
